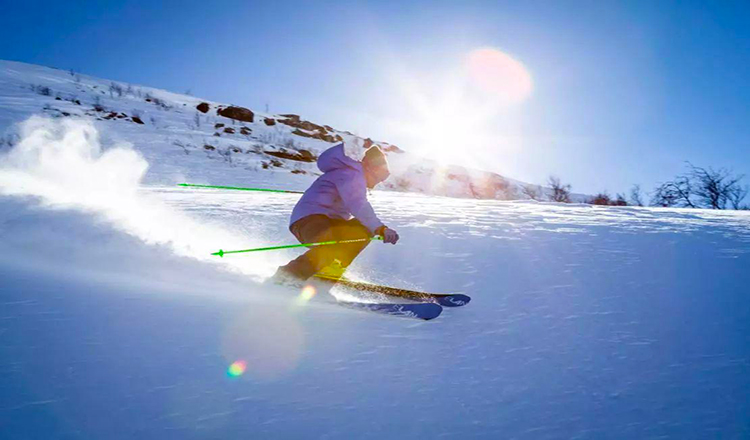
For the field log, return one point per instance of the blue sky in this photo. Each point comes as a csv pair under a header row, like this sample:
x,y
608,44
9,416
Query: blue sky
x,y
623,92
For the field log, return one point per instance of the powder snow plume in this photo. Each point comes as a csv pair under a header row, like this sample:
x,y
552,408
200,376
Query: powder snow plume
x,y
63,164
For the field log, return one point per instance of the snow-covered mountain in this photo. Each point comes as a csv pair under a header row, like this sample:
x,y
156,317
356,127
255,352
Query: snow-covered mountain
x,y
235,142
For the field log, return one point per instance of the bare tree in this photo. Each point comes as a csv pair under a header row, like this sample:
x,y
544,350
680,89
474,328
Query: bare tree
x,y
736,195
664,196
636,198
620,200
533,192
674,193
560,192
702,187
714,188
115,88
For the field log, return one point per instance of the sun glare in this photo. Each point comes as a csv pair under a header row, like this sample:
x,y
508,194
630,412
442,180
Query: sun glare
x,y
466,111
447,130
499,74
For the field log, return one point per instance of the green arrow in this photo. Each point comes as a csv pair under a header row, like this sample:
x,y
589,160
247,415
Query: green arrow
x,y
239,188
221,252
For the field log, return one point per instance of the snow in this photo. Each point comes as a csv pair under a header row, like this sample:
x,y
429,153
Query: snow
x,y
116,322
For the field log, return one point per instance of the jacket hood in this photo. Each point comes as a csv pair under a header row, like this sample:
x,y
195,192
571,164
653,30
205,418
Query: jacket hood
x,y
335,158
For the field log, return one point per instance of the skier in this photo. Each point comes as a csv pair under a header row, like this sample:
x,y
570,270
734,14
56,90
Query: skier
x,y
335,207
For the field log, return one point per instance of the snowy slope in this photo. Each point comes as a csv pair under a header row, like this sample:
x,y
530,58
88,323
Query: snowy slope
x,y
116,322
586,323
184,141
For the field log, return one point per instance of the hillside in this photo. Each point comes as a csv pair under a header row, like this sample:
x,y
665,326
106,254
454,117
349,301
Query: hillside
x,y
217,142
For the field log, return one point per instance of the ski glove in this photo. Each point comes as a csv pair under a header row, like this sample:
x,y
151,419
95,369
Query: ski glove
x,y
389,235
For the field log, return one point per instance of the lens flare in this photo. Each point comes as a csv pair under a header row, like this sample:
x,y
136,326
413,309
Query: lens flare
x,y
496,72
269,341
237,368
307,293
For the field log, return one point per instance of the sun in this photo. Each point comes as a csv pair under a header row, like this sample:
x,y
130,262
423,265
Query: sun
x,y
464,111
448,130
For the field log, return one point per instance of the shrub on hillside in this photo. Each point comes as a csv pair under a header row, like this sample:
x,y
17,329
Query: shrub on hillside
x,y
600,199
42,90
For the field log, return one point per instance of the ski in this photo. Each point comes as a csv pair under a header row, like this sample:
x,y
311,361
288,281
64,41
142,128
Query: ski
x,y
443,299
425,311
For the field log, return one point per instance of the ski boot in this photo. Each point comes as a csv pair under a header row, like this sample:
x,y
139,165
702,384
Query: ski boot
x,y
333,271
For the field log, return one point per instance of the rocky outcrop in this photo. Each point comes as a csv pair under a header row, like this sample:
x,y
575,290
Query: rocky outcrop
x,y
308,129
203,107
299,156
317,135
115,115
237,113
295,121
269,121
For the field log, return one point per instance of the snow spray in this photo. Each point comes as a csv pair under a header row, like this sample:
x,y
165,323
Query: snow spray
x,y
64,165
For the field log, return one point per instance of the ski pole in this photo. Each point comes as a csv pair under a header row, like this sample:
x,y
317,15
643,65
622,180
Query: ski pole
x,y
239,188
221,252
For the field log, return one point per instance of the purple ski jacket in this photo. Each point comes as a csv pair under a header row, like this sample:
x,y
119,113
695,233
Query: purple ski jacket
x,y
341,192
